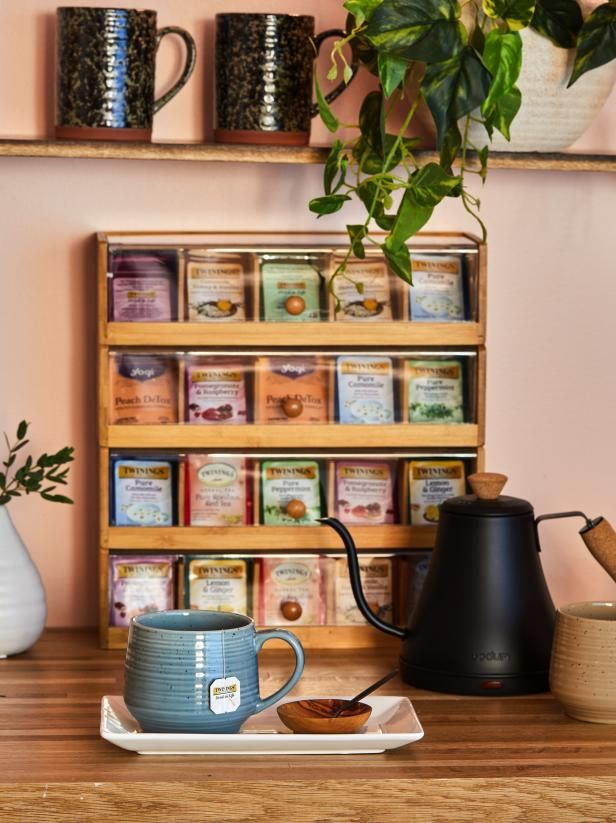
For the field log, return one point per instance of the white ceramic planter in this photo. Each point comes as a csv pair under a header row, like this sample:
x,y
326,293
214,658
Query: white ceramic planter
x,y
23,608
551,116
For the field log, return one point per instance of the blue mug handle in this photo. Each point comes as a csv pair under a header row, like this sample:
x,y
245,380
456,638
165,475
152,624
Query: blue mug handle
x,y
280,634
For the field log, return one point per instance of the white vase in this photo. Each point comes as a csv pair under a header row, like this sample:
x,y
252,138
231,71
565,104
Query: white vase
x,y
23,608
552,117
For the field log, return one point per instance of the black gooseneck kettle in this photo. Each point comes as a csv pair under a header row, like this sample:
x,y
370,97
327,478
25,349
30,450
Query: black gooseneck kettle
x,y
483,624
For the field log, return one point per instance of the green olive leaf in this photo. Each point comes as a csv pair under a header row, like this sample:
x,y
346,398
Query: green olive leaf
x,y
454,88
596,44
558,20
425,30
516,13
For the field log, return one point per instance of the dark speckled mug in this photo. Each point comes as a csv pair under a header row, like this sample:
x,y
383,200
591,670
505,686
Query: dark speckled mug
x,y
264,65
105,72
196,671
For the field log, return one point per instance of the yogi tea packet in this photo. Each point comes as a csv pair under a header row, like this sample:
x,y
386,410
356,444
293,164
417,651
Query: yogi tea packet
x,y
139,584
290,492
217,493
215,391
217,584
143,389
364,492
435,391
430,483
291,291
291,390
214,288
365,389
143,492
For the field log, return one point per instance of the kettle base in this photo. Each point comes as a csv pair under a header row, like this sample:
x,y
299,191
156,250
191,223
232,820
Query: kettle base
x,y
479,685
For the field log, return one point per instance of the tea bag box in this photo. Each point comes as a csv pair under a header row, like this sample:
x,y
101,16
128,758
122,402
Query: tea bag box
x,y
212,303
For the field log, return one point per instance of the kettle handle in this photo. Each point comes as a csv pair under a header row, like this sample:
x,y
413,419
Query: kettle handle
x,y
597,534
355,579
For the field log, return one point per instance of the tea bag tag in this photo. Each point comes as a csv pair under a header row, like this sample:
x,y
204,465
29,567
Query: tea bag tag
x,y
225,695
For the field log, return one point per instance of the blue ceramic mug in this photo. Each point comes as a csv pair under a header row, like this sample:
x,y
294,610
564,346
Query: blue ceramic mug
x,y
196,671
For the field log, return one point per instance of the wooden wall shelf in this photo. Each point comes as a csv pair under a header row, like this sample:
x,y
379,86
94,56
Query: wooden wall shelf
x,y
213,153
314,436
267,538
264,335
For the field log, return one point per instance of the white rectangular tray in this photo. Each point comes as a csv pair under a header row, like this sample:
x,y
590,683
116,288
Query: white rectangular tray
x,y
393,723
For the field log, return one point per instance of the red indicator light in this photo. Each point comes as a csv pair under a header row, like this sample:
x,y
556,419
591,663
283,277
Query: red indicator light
x,y
492,684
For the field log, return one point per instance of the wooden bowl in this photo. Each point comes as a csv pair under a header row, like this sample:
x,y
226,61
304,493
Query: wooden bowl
x,y
315,716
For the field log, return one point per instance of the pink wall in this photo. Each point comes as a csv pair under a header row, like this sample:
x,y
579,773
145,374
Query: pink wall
x,y
552,295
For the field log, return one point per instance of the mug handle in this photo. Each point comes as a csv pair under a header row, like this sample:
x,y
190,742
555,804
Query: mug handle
x,y
191,56
342,85
280,634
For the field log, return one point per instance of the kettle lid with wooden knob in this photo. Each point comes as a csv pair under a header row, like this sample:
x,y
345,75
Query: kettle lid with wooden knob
x,y
487,499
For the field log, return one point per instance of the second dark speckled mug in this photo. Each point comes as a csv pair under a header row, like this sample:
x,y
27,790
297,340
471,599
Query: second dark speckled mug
x,y
264,65
105,71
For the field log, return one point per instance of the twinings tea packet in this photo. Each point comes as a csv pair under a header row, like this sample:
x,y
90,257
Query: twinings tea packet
x,y
137,585
291,390
215,288
291,591
217,584
372,300
435,392
290,492
291,291
376,579
437,292
215,391
143,389
217,493
365,389
364,492
142,286
143,493
430,483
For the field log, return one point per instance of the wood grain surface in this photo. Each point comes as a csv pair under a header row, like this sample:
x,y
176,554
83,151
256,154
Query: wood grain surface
x,y
488,759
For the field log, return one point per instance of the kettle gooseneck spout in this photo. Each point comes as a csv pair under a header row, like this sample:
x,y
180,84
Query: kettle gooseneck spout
x,y
355,579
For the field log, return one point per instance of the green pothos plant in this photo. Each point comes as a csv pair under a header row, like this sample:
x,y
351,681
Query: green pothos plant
x,y
462,59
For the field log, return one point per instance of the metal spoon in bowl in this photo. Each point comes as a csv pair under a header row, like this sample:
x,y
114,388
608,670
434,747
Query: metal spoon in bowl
x,y
349,703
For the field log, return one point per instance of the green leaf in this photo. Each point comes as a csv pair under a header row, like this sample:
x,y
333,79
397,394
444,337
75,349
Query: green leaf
x,y
357,233
56,498
502,56
431,183
399,261
327,116
424,30
451,145
454,88
411,217
19,446
372,122
22,429
558,20
361,10
482,156
2,480
596,43
335,166
328,204
504,112
516,13
392,71
4,498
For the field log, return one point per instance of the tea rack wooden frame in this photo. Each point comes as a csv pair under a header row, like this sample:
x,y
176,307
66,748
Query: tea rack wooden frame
x,y
251,540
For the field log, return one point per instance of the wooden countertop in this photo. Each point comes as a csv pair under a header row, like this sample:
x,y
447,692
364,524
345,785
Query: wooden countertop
x,y
486,759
